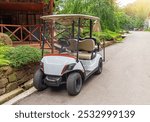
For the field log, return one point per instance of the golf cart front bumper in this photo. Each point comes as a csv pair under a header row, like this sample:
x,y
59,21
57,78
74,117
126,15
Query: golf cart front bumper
x,y
53,80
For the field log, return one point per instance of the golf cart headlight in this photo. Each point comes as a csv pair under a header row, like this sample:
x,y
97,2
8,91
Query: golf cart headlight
x,y
68,68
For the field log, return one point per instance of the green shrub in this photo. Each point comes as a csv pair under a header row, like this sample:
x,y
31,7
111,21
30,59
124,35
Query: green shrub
x,y
3,61
23,55
5,49
148,29
119,39
108,36
1,42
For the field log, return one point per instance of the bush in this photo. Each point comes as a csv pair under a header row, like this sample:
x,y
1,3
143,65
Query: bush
x,y
5,49
3,61
108,36
148,29
23,55
1,42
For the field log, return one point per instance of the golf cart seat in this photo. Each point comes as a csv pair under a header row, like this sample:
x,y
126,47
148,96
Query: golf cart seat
x,y
86,48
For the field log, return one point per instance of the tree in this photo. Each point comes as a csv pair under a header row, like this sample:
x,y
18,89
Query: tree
x,y
101,8
138,11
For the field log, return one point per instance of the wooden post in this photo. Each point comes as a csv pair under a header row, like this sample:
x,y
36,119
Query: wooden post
x,y
51,6
21,31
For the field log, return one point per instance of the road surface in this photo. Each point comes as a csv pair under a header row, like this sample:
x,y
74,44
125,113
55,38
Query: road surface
x,y
125,78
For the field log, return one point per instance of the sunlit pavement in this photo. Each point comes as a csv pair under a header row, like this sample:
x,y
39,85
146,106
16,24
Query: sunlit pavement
x,y
125,78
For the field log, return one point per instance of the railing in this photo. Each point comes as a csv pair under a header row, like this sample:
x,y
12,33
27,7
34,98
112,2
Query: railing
x,y
22,33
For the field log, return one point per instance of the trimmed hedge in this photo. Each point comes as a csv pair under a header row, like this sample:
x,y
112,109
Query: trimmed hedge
x,y
3,60
23,55
19,56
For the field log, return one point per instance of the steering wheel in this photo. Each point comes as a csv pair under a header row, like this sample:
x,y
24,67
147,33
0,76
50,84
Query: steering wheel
x,y
64,43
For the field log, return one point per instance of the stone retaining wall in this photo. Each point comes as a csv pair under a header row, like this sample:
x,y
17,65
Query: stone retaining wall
x,y
11,78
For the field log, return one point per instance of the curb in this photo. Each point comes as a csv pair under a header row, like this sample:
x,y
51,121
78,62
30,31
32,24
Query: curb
x,y
20,96
10,95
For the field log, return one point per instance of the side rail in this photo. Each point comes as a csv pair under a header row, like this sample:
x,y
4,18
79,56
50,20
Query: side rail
x,y
22,33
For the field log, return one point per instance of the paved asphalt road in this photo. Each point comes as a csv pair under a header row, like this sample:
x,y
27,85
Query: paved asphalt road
x,y
125,78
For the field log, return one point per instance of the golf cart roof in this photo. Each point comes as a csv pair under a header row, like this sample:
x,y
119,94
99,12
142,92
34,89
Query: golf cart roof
x,y
67,19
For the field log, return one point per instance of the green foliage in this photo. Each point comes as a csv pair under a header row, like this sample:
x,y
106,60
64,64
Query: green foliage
x,y
104,9
23,55
3,61
46,1
5,49
108,36
1,42
138,11
19,56
111,16
148,29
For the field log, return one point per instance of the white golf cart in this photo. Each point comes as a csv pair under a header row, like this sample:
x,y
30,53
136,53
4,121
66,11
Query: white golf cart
x,y
77,60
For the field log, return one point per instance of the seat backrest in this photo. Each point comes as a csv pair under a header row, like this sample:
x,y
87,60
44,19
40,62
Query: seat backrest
x,y
84,45
87,45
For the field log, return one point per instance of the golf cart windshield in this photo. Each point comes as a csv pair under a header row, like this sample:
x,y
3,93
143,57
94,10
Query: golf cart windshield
x,y
74,32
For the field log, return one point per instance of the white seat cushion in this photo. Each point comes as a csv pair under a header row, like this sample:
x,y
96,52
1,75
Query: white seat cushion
x,y
84,56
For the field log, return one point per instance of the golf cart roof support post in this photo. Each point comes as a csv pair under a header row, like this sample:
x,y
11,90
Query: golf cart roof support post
x,y
79,22
103,50
73,23
43,43
91,26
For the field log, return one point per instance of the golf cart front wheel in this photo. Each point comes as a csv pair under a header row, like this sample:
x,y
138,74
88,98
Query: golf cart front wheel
x,y
100,67
74,84
38,80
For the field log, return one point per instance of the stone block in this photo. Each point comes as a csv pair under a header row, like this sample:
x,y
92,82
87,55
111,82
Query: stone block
x,y
24,79
11,86
2,91
12,77
9,70
28,84
20,74
3,82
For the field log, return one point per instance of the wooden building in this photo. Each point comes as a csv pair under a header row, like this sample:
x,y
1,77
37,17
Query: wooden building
x,y
21,18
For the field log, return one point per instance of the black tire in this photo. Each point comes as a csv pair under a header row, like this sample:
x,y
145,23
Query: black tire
x,y
100,67
38,80
74,84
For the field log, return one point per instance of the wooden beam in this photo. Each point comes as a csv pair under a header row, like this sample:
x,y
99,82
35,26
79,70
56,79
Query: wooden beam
x,y
33,7
51,25
51,6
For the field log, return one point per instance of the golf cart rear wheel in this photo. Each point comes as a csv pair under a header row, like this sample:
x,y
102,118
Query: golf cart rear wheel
x,y
74,84
38,80
100,67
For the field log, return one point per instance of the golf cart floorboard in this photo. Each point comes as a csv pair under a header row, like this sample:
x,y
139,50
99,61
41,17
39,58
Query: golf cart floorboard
x,y
87,72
